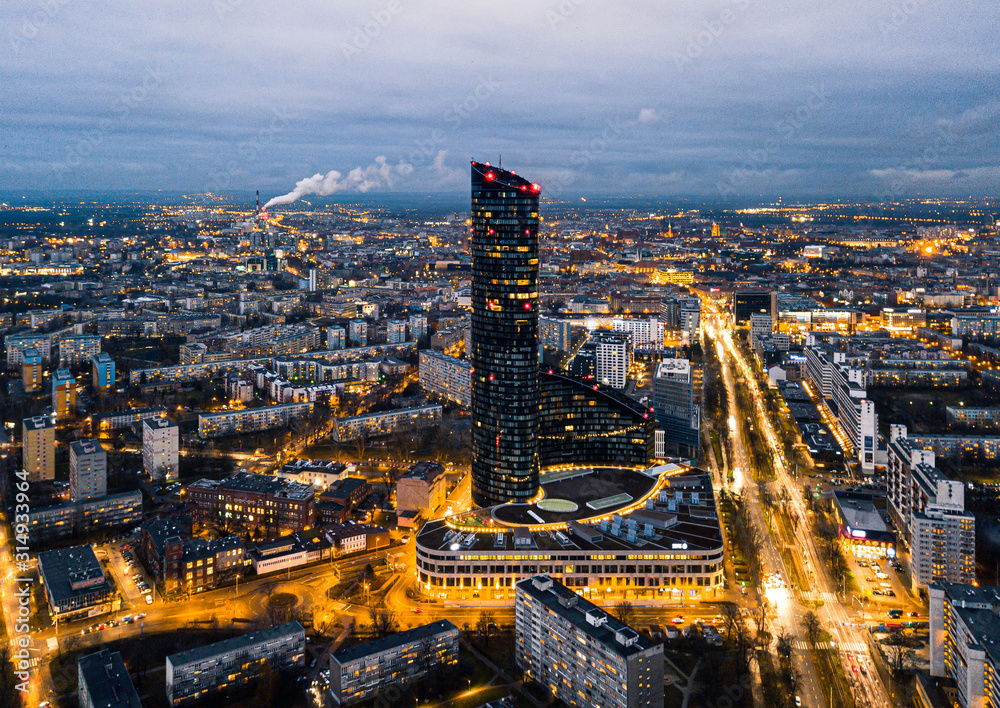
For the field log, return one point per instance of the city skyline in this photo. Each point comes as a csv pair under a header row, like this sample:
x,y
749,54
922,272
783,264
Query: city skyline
x,y
723,99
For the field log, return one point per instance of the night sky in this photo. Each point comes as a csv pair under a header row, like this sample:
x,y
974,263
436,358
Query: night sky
x,y
720,98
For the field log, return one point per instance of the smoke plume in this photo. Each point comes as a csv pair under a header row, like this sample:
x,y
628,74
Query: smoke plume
x,y
360,179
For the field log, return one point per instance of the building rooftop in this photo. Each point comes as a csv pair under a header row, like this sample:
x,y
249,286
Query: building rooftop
x,y
107,679
158,423
377,646
209,651
258,484
39,422
69,572
587,617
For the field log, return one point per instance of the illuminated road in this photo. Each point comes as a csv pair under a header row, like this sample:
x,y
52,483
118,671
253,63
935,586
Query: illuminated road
x,y
837,618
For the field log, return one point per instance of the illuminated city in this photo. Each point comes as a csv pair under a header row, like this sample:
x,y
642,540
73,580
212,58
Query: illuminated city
x,y
500,356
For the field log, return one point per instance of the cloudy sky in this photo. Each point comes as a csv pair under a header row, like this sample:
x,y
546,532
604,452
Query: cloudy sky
x,y
667,97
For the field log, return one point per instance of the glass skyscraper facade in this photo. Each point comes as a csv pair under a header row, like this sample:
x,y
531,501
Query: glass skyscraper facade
x,y
505,390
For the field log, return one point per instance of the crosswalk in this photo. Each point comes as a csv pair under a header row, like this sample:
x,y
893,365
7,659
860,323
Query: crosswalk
x,y
853,647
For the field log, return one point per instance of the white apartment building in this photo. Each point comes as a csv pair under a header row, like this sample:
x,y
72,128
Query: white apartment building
x,y
211,425
336,338
965,641
613,357
396,331
646,332
88,470
580,653
446,376
418,326
160,448
77,349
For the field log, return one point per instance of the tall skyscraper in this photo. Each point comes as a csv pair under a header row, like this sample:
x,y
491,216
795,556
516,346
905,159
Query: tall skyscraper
x,y
675,386
505,392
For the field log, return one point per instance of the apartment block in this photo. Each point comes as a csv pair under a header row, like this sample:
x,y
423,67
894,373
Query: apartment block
x,y
78,349
361,672
421,488
336,338
103,682
277,505
446,376
17,344
555,333
418,327
63,394
160,448
965,641
647,332
31,371
115,511
249,420
38,448
103,371
232,663
376,424
88,470
580,653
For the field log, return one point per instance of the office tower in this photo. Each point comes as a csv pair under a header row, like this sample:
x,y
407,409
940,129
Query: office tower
x,y
582,654
359,333
613,356
677,411
103,371
38,448
748,302
31,370
505,393
78,349
159,448
63,394
418,327
336,338
88,470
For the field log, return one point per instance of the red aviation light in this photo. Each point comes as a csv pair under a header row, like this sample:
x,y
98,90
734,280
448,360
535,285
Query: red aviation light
x,y
536,188
550,371
490,176
527,306
491,377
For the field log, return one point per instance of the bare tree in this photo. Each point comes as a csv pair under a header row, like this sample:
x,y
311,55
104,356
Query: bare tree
x,y
382,621
624,612
486,624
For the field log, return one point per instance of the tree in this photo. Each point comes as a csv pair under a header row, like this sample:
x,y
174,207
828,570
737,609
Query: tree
x,y
486,624
624,612
731,616
383,621
812,626
785,644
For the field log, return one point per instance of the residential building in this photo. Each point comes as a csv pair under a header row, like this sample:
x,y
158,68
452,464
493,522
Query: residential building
x,y
385,423
446,376
78,349
103,374
98,516
646,333
422,487
160,448
276,505
929,511
505,392
363,671
74,582
418,327
974,417
613,356
192,353
579,652
678,410
396,332
119,420
31,370
17,344
336,338
965,641
88,470
103,682
181,563
38,448
761,323
358,333
232,663
249,420
555,333
63,394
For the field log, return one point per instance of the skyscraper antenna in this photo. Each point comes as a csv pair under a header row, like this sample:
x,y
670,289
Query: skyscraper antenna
x,y
500,161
